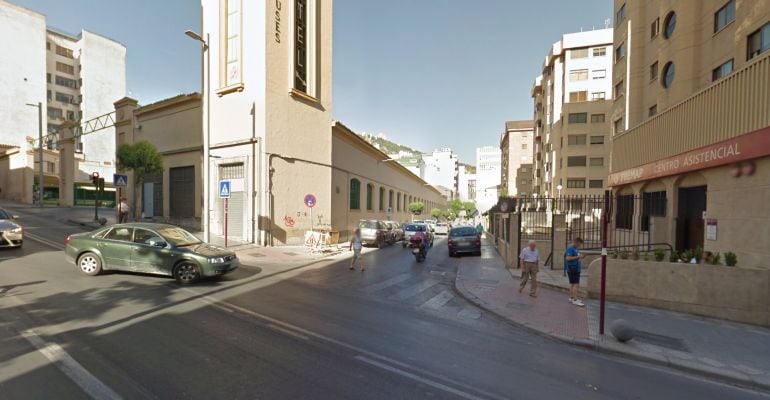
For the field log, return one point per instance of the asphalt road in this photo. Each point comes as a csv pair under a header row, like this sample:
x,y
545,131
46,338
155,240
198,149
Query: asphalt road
x,y
395,331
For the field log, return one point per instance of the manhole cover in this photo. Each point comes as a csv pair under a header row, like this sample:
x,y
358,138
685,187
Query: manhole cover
x,y
256,254
661,340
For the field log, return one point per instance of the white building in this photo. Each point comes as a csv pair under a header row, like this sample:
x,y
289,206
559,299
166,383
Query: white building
x,y
573,100
441,169
488,173
466,184
75,77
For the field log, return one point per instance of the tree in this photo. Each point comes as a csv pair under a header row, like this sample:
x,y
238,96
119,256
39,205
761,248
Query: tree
x,y
416,207
469,206
456,206
141,158
436,213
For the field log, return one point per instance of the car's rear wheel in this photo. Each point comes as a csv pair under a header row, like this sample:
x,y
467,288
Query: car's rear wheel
x,y
90,264
186,273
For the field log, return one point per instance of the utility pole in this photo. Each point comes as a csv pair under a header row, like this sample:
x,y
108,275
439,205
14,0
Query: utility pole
x,y
40,177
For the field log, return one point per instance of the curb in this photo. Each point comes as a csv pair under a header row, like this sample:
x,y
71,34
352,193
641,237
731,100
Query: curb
x,y
733,379
85,224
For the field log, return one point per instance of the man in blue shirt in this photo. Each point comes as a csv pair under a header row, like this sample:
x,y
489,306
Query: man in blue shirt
x,y
572,257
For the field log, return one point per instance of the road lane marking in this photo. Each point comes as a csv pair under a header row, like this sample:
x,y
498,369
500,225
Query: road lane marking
x,y
386,283
44,241
414,290
288,331
438,300
66,364
209,300
417,378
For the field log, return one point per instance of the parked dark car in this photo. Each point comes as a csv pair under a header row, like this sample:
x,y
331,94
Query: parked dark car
x,y
373,232
149,248
464,239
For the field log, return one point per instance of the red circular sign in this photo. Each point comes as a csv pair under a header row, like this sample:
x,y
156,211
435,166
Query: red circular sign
x,y
310,200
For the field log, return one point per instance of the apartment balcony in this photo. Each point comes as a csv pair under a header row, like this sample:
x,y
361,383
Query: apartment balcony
x,y
731,107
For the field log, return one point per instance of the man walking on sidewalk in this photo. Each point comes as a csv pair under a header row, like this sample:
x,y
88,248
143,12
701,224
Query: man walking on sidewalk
x,y
530,265
123,210
573,265
356,244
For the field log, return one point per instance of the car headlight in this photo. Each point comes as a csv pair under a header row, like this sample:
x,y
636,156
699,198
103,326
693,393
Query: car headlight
x,y
16,230
216,260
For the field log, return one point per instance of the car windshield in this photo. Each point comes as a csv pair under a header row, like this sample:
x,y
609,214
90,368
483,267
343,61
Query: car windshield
x,y
4,215
414,228
178,236
367,224
463,231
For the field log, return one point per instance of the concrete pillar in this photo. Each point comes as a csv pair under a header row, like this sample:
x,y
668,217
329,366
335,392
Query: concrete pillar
x,y
559,246
514,244
67,164
559,221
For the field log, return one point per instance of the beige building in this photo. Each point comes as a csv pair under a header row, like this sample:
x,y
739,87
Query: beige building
x,y
573,100
524,180
692,123
174,127
516,146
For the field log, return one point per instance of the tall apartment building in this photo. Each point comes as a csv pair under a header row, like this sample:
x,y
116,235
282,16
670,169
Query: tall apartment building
x,y
488,173
75,78
441,169
466,184
516,145
691,122
573,100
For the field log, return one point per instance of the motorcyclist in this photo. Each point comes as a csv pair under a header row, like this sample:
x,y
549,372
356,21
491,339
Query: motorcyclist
x,y
424,242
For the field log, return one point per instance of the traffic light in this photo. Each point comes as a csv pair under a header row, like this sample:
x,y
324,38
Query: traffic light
x,y
95,178
100,186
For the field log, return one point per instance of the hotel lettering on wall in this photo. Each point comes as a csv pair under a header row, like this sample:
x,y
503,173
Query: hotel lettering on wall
x,y
277,18
300,45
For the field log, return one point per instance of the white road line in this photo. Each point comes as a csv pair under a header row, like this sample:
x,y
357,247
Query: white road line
x,y
417,378
44,241
386,283
414,290
288,332
221,303
66,364
438,300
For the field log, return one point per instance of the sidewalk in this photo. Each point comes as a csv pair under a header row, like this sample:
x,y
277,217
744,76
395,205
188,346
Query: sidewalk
x,y
83,216
729,352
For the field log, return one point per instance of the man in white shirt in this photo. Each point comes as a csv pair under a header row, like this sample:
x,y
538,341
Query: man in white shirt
x,y
529,261
123,211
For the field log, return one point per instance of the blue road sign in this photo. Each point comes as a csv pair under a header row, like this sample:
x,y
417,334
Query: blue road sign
x,y
310,200
120,180
224,189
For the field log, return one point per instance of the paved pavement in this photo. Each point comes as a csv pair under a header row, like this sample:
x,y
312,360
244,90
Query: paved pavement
x,y
717,349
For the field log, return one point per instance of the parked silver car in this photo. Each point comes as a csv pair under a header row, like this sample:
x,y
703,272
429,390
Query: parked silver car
x,y
396,231
11,233
373,232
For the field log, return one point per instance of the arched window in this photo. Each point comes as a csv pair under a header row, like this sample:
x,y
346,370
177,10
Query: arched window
x,y
382,199
369,194
355,194
669,24
398,202
390,200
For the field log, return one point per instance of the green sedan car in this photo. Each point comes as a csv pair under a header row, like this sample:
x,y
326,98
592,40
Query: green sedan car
x,y
149,248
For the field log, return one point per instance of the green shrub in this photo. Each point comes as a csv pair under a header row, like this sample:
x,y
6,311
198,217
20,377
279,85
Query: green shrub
x,y
673,257
635,255
717,258
731,259
686,256
614,254
624,255
646,256
660,254
698,253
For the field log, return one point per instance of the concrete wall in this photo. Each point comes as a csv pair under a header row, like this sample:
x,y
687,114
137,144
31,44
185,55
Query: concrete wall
x,y
736,294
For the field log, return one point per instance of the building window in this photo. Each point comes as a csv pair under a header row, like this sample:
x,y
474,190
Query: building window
x,y
620,51
652,110
669,24
64,52
66,82
620,89
759,41
66,68
577,118
597,118
55,113
523,146
668,74
654,71
576,161
595,184
620,15
653,205
596,162
390,200
618,125
724,16
598,96
578,75
49,95
304,47
597,140
48,78
48,46
624,214
355,194
382,199
578,96
369,193
655,28
600,51
576,140
599,73
576,183
578,53
64,98
232,43
71,116
722,71
53,128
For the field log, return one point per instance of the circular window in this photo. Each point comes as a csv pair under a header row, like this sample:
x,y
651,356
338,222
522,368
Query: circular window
x,y
668,74
669,24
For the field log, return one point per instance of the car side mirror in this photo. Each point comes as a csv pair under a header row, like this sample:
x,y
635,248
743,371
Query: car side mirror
x,y
158,243
14,217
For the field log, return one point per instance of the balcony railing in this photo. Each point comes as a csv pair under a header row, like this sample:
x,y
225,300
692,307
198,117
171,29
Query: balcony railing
x,y
737,104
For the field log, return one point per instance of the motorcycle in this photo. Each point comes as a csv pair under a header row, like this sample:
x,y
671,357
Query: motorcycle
x,y
415,242
419,255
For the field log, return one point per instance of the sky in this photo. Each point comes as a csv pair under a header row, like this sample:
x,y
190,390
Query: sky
x,y
426,73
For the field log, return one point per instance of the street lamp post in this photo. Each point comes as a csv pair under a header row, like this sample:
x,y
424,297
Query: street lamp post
x,y
205,76
558,200
40,177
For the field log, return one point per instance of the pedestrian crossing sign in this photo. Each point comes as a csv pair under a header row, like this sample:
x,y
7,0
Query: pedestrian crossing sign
x,y
119,180
224,189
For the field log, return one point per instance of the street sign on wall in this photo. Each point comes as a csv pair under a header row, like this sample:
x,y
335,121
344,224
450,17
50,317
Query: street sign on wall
x,y
310,200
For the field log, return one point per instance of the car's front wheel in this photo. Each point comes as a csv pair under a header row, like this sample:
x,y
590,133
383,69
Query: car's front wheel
x,y
186,272
90,264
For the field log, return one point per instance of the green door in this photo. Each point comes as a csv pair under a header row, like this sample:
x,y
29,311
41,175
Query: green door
x,y
116,248
147,256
